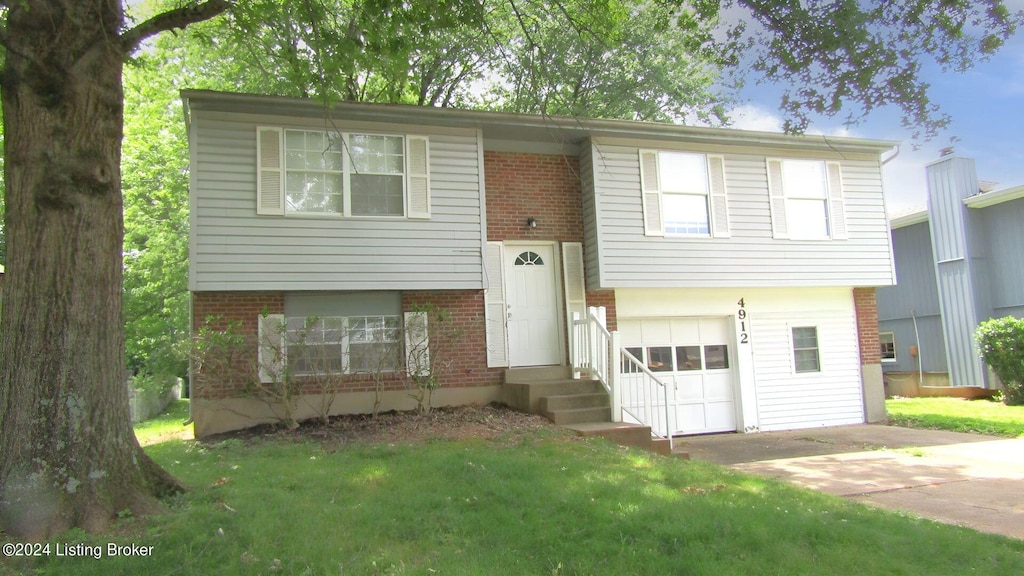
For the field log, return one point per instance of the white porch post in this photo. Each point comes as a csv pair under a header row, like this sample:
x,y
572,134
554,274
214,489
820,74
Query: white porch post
x,y
574,346
614,369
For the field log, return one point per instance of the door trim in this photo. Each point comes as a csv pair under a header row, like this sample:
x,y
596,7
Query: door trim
x,y
556,263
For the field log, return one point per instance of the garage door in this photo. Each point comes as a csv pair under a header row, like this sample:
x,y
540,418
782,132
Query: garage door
x,y
693,355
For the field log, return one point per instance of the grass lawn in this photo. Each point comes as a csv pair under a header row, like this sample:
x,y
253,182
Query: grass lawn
x,y
166,426
958,415
536,502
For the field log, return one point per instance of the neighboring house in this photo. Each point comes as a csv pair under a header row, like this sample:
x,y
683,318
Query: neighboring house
x,y
958,263
739,266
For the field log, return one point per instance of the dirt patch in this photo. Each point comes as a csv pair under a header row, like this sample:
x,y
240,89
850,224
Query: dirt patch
x,y
450,423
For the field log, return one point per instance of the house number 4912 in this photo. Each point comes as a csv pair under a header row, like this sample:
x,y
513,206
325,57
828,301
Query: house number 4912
x,y
741,315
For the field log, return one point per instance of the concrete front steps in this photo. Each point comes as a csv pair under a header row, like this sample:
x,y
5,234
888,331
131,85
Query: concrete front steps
x,y
579,405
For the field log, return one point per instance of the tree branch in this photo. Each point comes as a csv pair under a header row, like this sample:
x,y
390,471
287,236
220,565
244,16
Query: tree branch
x,y
177,18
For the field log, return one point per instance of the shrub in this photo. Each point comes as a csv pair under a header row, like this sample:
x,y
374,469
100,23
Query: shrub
x,y
1001,343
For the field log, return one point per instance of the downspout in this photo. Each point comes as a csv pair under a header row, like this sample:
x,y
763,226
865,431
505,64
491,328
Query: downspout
x,y
917,342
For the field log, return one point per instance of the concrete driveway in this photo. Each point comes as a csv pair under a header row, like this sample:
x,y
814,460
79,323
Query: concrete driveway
x,y
964,479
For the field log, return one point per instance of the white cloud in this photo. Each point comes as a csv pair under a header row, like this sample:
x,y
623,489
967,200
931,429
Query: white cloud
x,y
754,117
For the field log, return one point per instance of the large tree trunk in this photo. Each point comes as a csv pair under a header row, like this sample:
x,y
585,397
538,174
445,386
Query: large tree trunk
x,y
68,455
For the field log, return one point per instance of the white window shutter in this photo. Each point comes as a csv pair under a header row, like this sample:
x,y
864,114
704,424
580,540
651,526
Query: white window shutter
x,y
836,203
418,177
777,199
575,283
650,192
719,199
495,314
272,355
270,171
417,343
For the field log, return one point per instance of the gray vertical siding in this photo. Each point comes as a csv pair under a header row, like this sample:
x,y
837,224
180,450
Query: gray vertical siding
x,y
958,254
931,346
915,291
750,257
1003,225
234,249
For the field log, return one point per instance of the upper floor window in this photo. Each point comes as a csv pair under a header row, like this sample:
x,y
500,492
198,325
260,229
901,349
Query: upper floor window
x,y
683,194
319,172
806,199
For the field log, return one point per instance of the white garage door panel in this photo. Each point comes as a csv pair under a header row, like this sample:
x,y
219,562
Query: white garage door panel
x,y
704,399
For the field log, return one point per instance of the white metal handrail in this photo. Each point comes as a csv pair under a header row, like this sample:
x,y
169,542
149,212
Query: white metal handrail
x,y
591,345
635,391
645,398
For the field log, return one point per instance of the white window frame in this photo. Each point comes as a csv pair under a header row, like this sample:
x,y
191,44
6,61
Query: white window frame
x,y
272,174
781,200
816,348
346,339
341,173
654,188
350,171
892,340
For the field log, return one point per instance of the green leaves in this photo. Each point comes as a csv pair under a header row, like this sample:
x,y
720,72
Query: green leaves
x,y
845,56
1001,344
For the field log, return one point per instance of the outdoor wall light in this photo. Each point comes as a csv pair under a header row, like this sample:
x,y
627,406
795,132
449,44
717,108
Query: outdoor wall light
x,y
531,222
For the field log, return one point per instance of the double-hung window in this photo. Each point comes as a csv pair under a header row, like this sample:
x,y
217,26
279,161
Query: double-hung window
x,y
316,172
806,199
337,345
805,349
683,194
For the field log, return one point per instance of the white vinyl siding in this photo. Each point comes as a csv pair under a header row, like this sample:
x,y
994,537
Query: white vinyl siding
x,y
788,398
236,249
752,254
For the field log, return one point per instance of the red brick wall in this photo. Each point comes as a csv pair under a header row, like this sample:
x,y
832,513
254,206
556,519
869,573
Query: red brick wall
x,y
542,186
867,325
605,298
468,351
217,309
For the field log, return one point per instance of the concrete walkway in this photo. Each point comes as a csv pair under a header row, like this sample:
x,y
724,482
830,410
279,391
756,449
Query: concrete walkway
x,y
964,479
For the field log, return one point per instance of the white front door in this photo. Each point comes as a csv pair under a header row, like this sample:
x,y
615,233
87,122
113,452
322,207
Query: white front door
x,y
531,298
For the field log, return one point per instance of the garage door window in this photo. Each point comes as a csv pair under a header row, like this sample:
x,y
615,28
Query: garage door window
x,y
687,358
717,357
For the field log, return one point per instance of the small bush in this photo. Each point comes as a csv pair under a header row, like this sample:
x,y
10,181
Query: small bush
x,y
1001,343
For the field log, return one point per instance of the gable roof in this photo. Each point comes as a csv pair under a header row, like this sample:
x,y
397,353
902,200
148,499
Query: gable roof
x,y
526,127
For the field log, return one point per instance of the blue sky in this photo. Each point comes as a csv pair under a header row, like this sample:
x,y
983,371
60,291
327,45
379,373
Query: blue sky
x,y
987,108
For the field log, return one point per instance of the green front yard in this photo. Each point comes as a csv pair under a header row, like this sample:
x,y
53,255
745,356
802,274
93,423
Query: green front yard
x,y
535,502
958,415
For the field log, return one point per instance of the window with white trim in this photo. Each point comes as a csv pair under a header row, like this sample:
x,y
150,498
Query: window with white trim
x,y
336,344
805,349
887,342
806,199
683,194
316,172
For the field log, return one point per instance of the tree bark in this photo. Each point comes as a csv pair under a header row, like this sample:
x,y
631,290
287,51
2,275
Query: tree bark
x,y
68,454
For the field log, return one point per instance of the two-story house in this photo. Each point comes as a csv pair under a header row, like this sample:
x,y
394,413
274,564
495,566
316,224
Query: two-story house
x,y
739,267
